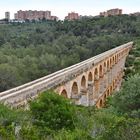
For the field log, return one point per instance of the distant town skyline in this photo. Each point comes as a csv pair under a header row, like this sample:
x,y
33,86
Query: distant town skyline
x,y
61,8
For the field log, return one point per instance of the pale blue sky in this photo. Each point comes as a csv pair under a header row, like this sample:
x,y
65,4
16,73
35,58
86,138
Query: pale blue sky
x,y
60,8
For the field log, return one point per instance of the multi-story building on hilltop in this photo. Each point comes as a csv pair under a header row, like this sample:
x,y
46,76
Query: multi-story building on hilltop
x,y
7,15
111,12
34,15
16,16
72,16
54,18
135,14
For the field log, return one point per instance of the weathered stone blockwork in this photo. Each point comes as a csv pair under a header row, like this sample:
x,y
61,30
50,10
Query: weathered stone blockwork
x,y
87,83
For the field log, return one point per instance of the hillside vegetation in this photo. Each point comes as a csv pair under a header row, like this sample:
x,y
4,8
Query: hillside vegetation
x,y
29,51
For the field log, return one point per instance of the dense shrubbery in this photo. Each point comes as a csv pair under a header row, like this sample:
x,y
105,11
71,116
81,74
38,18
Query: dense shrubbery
x,y
53,112
52,117
128,99
133,61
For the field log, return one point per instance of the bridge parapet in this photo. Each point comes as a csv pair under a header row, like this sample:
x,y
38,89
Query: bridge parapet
x,y
93,69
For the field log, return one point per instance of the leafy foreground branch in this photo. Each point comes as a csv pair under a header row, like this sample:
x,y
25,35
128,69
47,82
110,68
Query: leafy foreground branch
x,y
52,117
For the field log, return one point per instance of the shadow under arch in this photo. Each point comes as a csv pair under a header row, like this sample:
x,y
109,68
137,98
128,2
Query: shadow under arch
x,y
105,67
96,74
83,82
105,97
90,77
74,88
101,71
111,90
108,92
113,63
64,93
108,65
101,103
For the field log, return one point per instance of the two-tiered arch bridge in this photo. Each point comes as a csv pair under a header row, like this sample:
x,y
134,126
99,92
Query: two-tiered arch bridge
x,y
87,83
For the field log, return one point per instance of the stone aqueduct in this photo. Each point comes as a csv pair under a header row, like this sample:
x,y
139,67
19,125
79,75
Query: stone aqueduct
x,y
87,83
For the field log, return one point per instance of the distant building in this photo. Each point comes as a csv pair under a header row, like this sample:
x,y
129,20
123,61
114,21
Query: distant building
x,y
16,16
54,18
103,14
47,14
4,21
114,12
72,16
34,15
135,14
111,12
7,15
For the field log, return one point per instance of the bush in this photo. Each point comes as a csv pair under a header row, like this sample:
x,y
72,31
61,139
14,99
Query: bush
x,y
127,100
122,129
52,112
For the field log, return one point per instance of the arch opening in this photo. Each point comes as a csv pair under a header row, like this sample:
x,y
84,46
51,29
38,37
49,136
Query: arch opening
x,y
101,103
90,78
108,93
108,65
101,71
83,82
64,93
105,97
114,84
111,89
119,56
96,74
75,88
104,67
115,59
